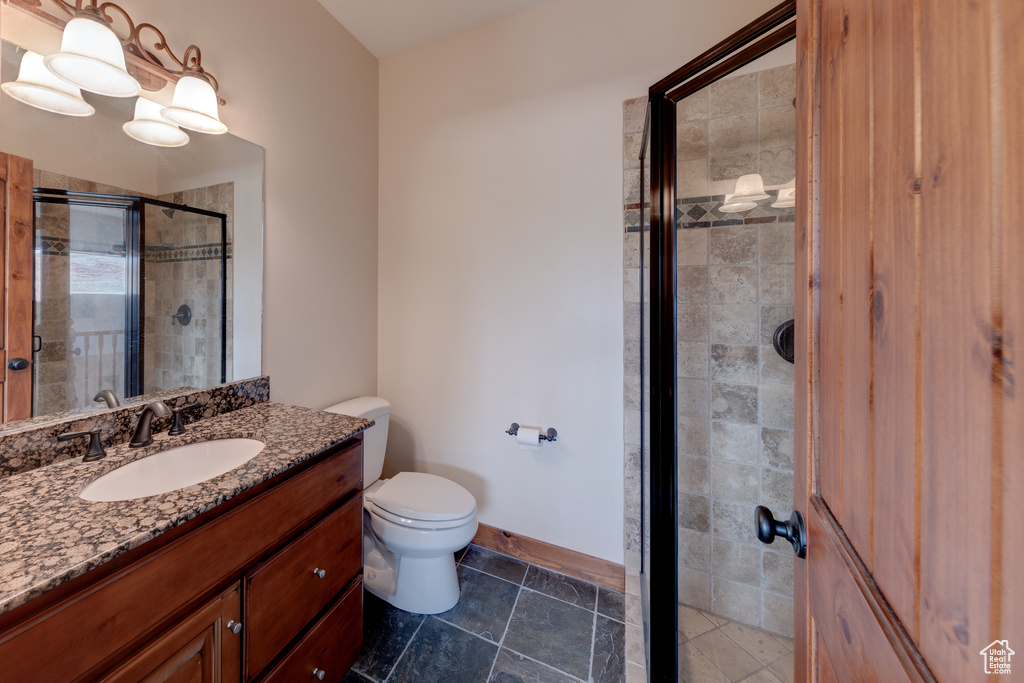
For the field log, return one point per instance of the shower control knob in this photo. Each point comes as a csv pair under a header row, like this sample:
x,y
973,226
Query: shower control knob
x,y
320,573
768,528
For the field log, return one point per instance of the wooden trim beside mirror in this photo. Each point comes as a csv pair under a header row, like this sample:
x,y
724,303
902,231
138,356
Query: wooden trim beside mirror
x,y
16,256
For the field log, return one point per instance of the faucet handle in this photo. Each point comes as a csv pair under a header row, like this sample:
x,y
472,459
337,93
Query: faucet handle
x,y
95,450
179,426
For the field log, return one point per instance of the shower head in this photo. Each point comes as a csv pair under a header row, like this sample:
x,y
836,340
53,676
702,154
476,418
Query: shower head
x,y
169,213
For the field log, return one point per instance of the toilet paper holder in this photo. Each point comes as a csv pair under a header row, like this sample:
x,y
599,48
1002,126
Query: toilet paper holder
x,y
546,435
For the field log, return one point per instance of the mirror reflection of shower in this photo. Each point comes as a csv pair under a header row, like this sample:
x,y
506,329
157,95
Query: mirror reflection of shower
x,y
105,264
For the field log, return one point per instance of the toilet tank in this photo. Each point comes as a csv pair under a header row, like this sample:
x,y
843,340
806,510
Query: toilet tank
x,y
375,439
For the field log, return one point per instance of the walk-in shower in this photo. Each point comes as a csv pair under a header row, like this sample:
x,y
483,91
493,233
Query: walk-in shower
x,y
708,399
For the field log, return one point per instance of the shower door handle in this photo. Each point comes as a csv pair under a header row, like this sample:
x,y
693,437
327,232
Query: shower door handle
x,y
768,528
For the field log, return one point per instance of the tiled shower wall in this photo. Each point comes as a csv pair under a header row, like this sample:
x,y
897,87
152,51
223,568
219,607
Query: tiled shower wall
x,y
735,394
183,266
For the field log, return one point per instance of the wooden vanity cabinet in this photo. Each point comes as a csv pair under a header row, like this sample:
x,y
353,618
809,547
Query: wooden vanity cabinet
x,y
160,612
286,592
200,649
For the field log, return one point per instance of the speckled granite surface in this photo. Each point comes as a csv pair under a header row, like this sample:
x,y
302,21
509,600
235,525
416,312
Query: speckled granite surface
x,y
48,535
32,443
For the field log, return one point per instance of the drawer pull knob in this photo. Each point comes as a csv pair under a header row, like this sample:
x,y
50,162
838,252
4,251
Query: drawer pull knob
x,y
320,573
235,627
319,673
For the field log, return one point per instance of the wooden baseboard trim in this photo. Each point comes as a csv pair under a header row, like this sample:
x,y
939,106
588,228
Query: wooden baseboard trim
x,y
562,560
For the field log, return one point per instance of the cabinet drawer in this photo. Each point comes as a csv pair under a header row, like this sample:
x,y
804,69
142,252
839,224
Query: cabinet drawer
x,y
286,592
331,646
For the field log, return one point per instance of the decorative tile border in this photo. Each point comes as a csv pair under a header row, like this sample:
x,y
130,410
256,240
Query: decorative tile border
x,y
705,212
32,443
61,246
195,252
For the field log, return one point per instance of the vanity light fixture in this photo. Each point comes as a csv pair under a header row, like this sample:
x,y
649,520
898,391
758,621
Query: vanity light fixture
x,y
37,87
195,102
94,58
150,127
91,56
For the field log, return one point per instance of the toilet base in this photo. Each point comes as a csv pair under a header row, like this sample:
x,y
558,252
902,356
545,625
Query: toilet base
x,y
425,585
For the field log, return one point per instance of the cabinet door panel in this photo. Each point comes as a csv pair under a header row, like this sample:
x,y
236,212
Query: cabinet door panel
x,y
199,649
284,593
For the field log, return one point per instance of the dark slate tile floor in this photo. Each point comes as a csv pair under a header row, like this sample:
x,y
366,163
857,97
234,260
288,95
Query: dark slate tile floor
x,y
515,623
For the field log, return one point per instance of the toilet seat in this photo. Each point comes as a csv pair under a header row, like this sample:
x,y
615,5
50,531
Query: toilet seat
x,y
418,523
420,500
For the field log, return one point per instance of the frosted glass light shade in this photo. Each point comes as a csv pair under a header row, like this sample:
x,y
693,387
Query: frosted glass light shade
x,y
195,107
749,188
37,87
149,127
732,205
92,59
787,198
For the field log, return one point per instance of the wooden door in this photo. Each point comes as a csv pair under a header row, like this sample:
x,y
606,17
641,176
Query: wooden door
x,y
910,300
199,649
16,306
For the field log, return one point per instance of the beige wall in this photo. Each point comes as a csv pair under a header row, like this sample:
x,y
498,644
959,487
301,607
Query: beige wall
x,y
500,278
301,86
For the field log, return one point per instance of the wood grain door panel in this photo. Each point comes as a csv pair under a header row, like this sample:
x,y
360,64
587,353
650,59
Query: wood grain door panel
x,y
17,264
910,301
199,649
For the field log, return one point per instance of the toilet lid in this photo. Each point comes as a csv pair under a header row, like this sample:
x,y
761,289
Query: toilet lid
x,y
417,495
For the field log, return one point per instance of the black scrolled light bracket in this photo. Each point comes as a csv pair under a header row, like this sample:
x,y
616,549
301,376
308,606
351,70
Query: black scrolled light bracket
x,y
793,531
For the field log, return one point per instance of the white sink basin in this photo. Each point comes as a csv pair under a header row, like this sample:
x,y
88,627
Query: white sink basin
x,y
172,469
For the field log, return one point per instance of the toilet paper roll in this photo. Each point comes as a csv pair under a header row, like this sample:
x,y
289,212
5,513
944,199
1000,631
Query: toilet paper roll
x,y
528,438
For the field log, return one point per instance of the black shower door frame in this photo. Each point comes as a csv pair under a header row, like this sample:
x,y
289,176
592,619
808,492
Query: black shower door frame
x,y
135,234
755,40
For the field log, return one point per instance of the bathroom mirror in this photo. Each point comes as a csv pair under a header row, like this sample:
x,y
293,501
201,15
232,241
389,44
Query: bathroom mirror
x,y
205,220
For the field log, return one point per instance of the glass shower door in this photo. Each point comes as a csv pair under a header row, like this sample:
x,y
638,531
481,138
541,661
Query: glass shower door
x,y
186,307
84,274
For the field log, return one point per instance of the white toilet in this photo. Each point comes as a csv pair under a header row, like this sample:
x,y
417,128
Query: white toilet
x,y
412,523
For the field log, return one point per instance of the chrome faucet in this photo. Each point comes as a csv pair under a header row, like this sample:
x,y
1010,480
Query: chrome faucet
x,y
143,434
108,396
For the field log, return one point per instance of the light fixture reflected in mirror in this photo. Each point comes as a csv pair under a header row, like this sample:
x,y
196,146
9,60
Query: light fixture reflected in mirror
x,y
731,205
39,88
749,188
787,196
151,128
91,57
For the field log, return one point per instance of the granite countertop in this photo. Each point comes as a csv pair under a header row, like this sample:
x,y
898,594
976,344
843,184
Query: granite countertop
x,y
48,535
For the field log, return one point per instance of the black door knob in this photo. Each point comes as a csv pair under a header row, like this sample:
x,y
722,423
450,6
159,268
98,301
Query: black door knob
x,y
793,531
17,364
